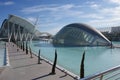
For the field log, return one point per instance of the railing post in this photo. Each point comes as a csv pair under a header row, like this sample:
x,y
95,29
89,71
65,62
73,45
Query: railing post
x,y
54,63
39,57
82,66
30,52
101,77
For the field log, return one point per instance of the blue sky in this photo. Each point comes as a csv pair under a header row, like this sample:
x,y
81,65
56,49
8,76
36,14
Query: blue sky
x,y
52,15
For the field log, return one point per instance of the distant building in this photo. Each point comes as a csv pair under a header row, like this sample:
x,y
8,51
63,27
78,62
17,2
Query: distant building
x,y
105,29
115,29
78,34
112,33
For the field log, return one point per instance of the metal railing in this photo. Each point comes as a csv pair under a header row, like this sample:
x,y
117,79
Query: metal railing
x,y
111,74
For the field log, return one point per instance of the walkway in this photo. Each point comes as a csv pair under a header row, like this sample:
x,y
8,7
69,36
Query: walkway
x,y
22,67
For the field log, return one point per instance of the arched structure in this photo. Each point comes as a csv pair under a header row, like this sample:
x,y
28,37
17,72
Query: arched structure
x,y
78,34
16,29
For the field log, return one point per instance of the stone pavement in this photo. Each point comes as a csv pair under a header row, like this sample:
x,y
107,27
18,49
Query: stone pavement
x,y
22,67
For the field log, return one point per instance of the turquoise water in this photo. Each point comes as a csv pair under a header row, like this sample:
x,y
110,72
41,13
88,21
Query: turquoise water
x,y
97,59
2,53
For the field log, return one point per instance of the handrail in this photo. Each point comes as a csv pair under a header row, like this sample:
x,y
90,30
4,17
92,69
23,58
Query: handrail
x,y
102,74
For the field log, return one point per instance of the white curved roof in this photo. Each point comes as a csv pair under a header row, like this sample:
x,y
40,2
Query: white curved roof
x,y
80,34
88,29
22,22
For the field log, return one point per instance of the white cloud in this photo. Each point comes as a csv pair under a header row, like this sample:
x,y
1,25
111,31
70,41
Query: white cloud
x,y
114,1
53,16
57,12
54,11
113,12
96,16
109,15
95,5
7,3
105,22
52,7
90,2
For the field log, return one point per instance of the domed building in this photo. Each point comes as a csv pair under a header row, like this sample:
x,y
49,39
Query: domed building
x,y
78,34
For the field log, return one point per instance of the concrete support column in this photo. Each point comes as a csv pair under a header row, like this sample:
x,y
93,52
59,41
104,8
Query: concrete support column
x,y
14,32
26,36
21,33
18,33
9,37
11,31
32,35
8,30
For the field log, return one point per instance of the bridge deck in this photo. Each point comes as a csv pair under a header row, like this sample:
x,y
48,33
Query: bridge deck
x,y
22,67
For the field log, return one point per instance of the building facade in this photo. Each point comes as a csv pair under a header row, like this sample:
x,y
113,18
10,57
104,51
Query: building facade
x,y
78,34
17,29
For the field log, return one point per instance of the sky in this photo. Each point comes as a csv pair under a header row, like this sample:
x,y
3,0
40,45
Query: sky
x,y
52,15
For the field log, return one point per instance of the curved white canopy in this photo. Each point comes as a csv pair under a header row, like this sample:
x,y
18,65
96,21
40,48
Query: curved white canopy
x,y
22,22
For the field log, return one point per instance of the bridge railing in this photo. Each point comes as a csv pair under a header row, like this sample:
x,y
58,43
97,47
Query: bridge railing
x,y
111,74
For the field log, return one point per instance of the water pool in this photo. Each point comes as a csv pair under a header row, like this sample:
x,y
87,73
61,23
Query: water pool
x,y
97,59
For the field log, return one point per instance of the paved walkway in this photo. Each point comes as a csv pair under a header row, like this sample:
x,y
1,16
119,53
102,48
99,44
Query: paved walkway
x,y
22,67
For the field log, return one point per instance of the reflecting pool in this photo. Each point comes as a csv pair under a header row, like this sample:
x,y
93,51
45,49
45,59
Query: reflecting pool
x,y
97,59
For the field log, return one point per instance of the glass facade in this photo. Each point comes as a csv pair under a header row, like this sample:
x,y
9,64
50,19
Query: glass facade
x,y
80,35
